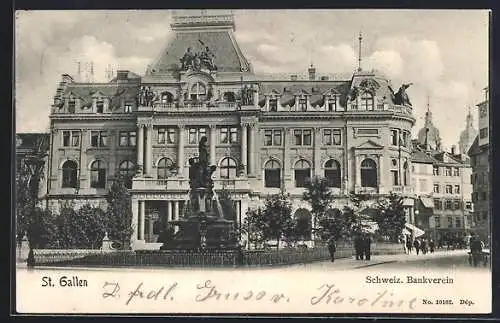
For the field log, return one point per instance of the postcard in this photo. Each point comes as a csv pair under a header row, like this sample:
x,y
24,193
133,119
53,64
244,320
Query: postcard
x,y
252,162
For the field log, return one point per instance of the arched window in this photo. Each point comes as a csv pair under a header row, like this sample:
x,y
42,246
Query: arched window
x,y
303,224
69,174
302,173
272,174
228,168
368,173
395,172
332,173
167,97
164,167
229,97
406,174
97,174
198,92
127,171
367,102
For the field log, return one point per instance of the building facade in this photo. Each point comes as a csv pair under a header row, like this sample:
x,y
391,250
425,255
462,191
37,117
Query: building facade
x,y
480,161
266,134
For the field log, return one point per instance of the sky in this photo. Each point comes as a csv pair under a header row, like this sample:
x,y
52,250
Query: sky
x,y
444,53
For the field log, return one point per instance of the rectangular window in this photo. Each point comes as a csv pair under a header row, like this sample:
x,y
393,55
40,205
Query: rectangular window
x,y
332,105
450,222
71,106
458,222
272,137
436,188
195,134
448,171
272,178
171,134
228,135
127,138
438,204
332,137
468,205
394,176
394,137
66,138
449,189
457,189
99,106
161,135
483,133
302,104
437,220
98,139
448,205
303,137
435,170
273,105
457,205
456,171
367,132
485,215
71,138
128,108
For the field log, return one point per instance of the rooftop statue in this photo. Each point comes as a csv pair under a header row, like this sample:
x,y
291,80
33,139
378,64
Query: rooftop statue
x,y
196,61
401,97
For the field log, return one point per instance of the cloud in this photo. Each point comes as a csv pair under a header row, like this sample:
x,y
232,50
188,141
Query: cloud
x,y
151,33
336,59
388,61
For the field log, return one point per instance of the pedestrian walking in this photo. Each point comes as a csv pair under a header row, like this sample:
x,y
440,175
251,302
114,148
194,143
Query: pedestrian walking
x,y
409,245
416,244
367,241
431,246
332,248
358,247
423,246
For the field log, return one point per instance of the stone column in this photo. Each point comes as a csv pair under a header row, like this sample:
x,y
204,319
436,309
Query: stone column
x,y
169,211
140,146
317,151
149,150
142,219
267,103
180,151
325,105
256,97
244,148
213,139
135,221
286,170
253,141
296,104
176,210
381,174
357,169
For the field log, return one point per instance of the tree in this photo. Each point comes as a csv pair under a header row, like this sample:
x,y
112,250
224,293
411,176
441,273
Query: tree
x,y
390,217
41,229
83,229
119,212
320,197
274,221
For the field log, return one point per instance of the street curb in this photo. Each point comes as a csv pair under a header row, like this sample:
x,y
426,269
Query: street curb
x,y
376,264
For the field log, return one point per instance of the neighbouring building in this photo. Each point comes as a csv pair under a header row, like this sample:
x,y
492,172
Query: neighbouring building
x,y
480,161
266,133
467,136
442,186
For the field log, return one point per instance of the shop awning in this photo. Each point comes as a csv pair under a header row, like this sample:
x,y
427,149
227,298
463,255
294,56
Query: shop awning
x,y
427,202
416,231
408,202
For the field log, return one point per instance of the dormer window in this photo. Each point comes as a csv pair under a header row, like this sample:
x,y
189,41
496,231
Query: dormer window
x,y
273,105
71,105
332,104
198,92
99,106
367,102
128,107
303,104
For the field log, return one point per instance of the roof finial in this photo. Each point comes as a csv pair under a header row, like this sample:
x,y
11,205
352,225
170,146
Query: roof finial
x,y
428,103
360,38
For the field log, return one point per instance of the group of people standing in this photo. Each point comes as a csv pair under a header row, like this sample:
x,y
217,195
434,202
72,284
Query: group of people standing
x,y
362,247
421,245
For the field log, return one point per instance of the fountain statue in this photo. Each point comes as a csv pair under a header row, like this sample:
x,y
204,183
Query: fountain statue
x,y
203,226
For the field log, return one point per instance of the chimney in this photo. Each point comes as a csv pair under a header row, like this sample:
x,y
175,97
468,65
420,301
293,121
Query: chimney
x,y
453,149
122,75
324,78
293,77
312,73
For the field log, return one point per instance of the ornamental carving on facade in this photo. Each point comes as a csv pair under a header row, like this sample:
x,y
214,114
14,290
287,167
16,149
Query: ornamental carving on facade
x,y
369,85
203,59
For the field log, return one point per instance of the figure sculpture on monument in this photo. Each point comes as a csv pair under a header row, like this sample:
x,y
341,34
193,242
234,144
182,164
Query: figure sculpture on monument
x,y
401,97
187,59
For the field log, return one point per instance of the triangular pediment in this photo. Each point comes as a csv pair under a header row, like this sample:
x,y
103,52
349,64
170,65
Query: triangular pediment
x,y
331,92
369,144
98,94
302,92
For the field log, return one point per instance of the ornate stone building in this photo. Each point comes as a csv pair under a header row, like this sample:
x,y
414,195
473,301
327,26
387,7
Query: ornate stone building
x,y
265,136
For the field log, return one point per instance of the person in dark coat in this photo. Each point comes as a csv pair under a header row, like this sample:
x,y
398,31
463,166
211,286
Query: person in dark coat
x,y
367,241
332,248
358,247
431,246
416,244
409,245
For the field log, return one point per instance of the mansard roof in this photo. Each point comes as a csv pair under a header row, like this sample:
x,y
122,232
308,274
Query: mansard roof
x,y
87,91
228,56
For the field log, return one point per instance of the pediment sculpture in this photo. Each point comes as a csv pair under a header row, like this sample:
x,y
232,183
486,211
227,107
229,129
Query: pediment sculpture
x,y
196,61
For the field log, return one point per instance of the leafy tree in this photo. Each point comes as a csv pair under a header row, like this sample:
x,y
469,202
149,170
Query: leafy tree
x,y
119,212
274,221
390,217
318,194
84,228
41,229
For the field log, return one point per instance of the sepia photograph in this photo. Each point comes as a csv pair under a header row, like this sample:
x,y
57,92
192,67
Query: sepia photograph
x,y
252,161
